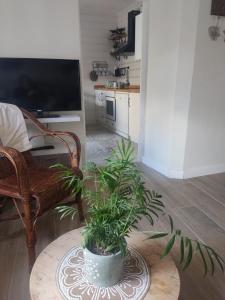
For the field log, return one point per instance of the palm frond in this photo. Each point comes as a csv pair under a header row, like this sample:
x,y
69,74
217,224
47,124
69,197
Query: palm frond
x,y
118,200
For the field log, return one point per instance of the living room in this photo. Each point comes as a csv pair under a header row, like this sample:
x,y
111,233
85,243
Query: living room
x,y
175,130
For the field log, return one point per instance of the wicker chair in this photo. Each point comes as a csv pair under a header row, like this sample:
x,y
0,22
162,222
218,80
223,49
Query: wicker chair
x,y
34,189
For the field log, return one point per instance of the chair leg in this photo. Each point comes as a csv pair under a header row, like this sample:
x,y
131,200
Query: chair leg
x,y
80,206
30,232
2,203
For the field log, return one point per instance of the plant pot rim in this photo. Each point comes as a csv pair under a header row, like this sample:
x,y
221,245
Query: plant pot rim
x,y
103,256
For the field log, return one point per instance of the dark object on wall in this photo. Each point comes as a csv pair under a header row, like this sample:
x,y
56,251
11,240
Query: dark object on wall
x,y
129,48
218,8
214,32
41,84
93,76
121,71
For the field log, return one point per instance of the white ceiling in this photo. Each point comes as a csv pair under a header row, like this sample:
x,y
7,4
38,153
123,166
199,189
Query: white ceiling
x,y
99,7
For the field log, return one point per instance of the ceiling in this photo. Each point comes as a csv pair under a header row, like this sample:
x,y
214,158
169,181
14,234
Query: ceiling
x,y
98,7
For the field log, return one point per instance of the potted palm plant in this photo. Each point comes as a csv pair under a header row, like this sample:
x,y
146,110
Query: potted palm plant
x,y
117,200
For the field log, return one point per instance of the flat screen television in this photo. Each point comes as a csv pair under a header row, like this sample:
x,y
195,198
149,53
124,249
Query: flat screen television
x,y
41,84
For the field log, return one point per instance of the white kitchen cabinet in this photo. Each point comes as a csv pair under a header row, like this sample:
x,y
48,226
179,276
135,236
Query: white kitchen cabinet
x,y
134,117
122,114
138,36
100,106
127,122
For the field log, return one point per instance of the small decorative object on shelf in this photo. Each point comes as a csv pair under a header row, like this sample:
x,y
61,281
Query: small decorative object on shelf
x,y
99,68
117,199
119,39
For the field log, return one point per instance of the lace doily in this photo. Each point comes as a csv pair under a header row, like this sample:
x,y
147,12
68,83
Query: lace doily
x,y
73,285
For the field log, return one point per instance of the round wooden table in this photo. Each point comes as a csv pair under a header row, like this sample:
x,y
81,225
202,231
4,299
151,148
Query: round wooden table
x,y
165,280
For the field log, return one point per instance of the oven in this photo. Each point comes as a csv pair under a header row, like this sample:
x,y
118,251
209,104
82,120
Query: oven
x,y
110,108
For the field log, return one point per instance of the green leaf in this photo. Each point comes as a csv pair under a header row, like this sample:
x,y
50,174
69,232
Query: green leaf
x,y
118,200
169,246
171,223
156,208
153,212
211,261
203,258
158,235
219,259
181,250
178,232
66,211
190,254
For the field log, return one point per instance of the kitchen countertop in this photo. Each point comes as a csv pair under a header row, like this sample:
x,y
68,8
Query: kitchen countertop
x,y
131,89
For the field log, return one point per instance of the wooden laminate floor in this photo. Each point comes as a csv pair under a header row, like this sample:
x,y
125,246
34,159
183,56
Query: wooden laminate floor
x,y
198,208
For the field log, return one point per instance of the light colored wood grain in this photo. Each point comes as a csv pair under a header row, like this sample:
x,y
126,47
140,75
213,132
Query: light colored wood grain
x,y
131,89
212,186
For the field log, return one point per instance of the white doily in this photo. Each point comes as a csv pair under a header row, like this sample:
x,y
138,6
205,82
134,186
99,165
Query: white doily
x,y
72,283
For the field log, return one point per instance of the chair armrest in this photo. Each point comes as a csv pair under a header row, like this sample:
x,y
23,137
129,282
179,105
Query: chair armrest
x,y
74,155
19,164
34,120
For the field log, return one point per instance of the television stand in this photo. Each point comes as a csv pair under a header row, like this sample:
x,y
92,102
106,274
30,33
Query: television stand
x,y
48,116
40,114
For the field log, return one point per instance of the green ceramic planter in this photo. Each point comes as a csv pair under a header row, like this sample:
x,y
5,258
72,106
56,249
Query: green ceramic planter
x,y
103,271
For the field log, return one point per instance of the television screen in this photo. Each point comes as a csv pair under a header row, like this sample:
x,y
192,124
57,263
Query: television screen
x,y
40,84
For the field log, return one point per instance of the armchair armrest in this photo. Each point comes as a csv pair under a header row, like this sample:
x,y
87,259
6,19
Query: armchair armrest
x,y
19,164
74,154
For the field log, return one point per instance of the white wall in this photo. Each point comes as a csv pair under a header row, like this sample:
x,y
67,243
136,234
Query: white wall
x,y
185,103
42,29
163,49
95,46
184,78
205,152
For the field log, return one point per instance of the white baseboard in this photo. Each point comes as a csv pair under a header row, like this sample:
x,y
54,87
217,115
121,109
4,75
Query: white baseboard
x,y
204,170
188,173
176,174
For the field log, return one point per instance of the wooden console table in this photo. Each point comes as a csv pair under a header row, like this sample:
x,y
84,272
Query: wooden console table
x,y
165,281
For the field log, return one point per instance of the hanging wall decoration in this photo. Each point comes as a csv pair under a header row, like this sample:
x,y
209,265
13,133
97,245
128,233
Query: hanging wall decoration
x,y
217,10
214,32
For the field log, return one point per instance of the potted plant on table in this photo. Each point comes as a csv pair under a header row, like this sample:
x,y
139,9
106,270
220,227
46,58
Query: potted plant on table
x,y
117,200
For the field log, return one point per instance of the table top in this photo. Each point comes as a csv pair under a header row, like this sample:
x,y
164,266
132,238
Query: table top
x,y
165,280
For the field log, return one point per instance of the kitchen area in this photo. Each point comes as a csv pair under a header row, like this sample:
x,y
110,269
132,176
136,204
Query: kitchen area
x,y
118,110
112,77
